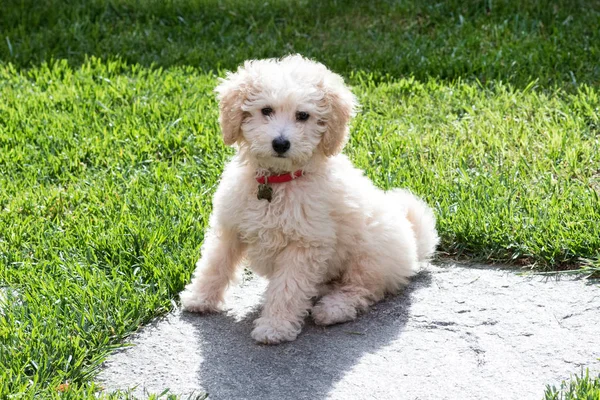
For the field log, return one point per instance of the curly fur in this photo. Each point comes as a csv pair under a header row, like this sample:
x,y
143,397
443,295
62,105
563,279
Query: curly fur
x,y
329,235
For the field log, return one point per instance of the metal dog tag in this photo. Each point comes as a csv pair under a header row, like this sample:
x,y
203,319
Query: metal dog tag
x,y
265,192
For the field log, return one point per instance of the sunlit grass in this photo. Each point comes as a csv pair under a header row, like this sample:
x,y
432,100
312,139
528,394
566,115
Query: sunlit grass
x,y
107,173
580,387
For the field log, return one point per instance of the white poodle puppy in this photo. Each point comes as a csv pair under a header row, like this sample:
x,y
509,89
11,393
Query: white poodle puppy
x,y
297,210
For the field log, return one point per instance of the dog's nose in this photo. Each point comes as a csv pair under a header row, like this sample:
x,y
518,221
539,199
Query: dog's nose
x,y
281,145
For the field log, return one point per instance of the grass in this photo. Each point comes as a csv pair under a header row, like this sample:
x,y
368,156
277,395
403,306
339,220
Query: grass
x,y
106,182
513,41
581,387
110,149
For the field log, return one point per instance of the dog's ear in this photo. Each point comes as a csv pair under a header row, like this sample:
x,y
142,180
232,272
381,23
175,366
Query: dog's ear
x,y
341,105
231,94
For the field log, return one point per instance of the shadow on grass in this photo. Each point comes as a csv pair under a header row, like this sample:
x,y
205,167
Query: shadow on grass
x,y
235,367
515,41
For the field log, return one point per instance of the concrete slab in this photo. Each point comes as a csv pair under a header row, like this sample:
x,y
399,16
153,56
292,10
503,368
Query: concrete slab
x,y
455,333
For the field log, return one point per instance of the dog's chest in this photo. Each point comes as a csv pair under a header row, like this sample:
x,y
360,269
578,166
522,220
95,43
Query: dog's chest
x,y
294,214
270,223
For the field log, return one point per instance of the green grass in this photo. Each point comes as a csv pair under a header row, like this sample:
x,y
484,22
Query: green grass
x,y
106,182
513,41
110,149
581,387
107,173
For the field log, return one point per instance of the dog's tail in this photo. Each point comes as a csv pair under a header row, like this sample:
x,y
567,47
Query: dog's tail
x,y
422,219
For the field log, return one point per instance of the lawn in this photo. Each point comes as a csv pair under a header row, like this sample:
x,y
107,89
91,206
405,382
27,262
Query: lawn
x,y
110,149
579,387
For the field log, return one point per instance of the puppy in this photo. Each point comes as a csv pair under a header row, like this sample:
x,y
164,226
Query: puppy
x,y
296,210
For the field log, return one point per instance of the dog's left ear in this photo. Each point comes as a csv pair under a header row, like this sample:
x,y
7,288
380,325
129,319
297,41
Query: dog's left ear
x,y
231,93
341,104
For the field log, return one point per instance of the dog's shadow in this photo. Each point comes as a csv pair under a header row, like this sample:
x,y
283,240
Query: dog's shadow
x,y
233,366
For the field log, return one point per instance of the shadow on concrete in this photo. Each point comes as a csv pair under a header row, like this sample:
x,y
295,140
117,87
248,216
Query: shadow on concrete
x,y
235,367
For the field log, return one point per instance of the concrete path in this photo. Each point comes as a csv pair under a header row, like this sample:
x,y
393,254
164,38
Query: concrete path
x,y
455,333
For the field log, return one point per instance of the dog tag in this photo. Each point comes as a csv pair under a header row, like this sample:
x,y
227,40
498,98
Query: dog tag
x,y
265,192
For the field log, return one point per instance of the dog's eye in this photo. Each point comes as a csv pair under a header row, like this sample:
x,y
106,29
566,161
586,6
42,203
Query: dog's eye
x,y
302,116
267,111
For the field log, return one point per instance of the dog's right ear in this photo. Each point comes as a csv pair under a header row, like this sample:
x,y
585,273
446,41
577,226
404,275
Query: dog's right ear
x,y
231,93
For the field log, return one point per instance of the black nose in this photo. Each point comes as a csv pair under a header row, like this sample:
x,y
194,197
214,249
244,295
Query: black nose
x,y
281,145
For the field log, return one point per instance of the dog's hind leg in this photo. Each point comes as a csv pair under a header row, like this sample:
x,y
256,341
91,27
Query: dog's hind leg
x,y
359,287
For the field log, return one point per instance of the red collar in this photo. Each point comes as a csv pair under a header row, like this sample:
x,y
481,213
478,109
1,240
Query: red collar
x,y
279,178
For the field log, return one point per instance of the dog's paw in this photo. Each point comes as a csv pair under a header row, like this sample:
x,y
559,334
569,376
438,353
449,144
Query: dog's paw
x,y
328,311
274,331
194,302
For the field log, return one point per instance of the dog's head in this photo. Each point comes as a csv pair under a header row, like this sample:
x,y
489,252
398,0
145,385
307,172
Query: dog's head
x,y
284,112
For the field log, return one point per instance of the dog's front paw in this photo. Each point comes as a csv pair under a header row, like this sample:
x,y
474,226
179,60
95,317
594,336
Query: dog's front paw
x,y
329,311
198,303
274,331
